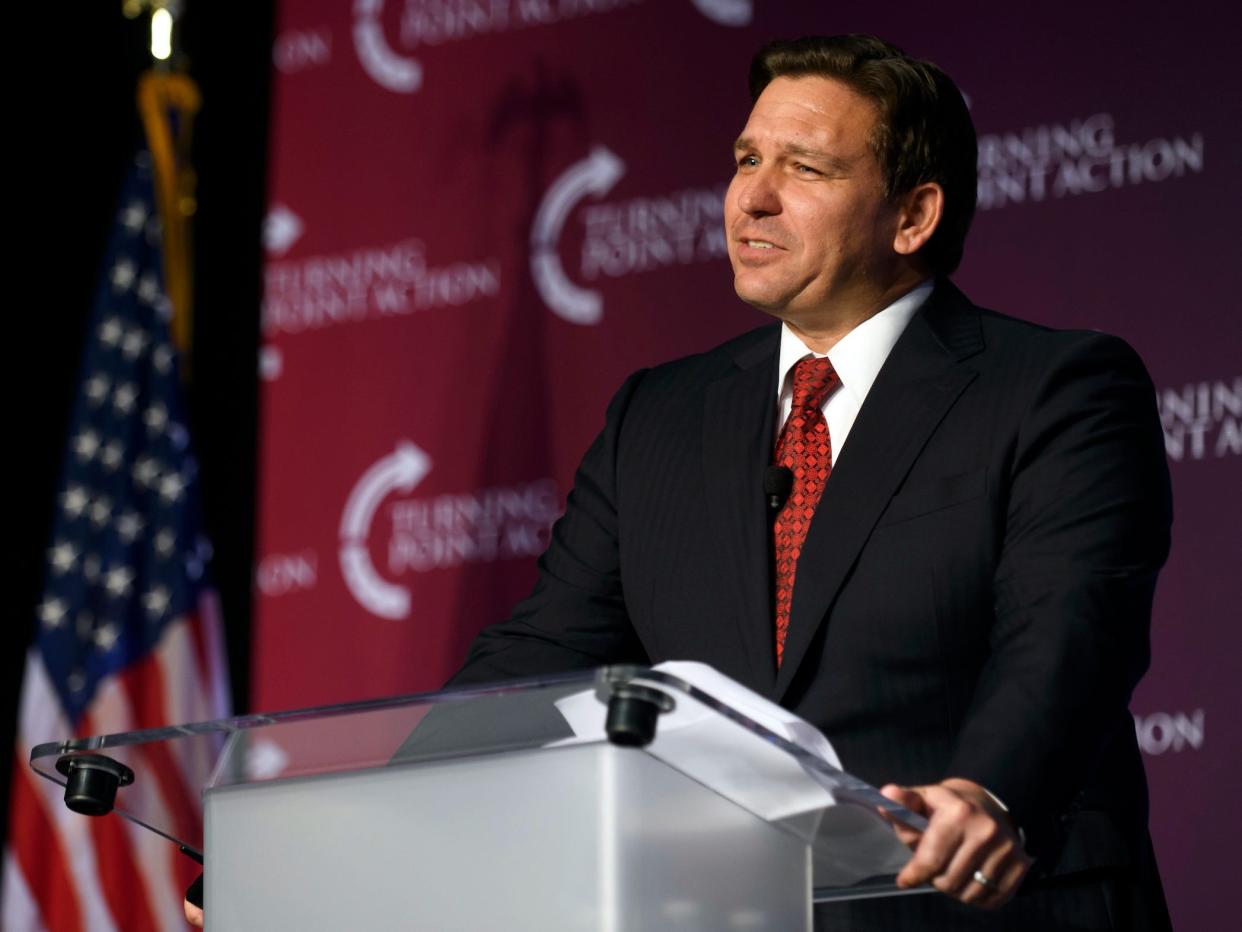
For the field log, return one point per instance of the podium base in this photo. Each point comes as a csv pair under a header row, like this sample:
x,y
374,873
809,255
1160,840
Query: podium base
x,y
594,838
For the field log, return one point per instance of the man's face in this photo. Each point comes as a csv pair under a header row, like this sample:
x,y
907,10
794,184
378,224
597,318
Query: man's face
x,y
810,233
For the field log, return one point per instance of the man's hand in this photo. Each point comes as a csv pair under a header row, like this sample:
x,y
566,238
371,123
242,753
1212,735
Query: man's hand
x,y
969,840
193,915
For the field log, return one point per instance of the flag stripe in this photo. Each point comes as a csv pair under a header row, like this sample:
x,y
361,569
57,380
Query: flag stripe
x,y
20,911
122,882
188,698
206,631
210,630
143,684
159,864
38,852
40,721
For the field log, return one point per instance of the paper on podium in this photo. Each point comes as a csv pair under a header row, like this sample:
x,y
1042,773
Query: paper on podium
x,y
849,843
702,744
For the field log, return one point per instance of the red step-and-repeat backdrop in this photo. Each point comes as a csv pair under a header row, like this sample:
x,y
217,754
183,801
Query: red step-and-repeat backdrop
x,y
485,213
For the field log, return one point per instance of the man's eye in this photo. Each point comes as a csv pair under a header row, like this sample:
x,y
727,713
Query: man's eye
x,y
805,170
747,161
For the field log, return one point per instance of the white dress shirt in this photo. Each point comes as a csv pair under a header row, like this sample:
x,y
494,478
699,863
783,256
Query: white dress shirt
x,y
856,357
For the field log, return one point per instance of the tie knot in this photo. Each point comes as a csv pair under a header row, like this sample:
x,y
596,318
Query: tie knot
x,y
813,380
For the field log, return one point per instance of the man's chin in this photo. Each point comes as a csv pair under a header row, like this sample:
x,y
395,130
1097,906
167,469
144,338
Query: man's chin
x,y
761,300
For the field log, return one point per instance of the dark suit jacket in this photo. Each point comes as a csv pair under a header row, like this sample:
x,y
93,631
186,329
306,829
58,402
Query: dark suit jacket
x,y
973,597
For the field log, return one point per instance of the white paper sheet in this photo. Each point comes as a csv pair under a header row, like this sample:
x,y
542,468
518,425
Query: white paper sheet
x,y
756,775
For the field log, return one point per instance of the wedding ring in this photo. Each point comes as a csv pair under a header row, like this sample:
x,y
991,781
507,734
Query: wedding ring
x,y
983,880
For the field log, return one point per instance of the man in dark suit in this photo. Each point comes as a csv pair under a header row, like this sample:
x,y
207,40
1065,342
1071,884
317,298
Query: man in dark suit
x,y
958,591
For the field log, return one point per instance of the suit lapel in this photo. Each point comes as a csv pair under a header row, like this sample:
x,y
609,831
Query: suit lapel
x,y
918,384
738,424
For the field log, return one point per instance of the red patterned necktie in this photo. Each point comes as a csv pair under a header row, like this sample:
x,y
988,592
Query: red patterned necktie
x,y
805,449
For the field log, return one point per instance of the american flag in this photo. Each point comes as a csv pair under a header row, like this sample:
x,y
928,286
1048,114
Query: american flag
x,y
128,633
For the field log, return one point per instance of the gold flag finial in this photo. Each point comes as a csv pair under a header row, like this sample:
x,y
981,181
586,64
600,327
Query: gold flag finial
x,y
168,101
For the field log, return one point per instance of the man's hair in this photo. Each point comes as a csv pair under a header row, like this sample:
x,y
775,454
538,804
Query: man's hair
x,y
923,131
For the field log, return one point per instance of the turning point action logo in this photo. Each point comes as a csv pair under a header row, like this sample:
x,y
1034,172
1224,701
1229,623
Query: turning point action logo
x,y
435,22
366,283
619,238
400,471
440,532
1202,420
1081,156
1161,732
594,175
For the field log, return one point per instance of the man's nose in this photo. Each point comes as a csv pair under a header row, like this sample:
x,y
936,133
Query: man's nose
x,y
759,196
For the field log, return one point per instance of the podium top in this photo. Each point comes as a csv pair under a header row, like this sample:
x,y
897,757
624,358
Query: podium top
x,y
760,763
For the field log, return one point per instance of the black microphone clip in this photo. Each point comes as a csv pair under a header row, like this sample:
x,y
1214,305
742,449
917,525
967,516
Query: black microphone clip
x,y
777,484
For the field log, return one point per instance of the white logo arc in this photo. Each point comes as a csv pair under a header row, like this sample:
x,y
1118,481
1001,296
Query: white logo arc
x,y
281,229
400,471
386,67
595,175
726,12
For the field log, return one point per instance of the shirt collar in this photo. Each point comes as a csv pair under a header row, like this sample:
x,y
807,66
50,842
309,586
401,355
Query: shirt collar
x,y
857,356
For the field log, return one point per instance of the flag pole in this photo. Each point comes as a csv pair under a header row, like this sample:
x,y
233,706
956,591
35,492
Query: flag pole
x,y
168,101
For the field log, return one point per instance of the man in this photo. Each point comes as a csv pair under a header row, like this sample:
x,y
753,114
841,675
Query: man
x,y
958,590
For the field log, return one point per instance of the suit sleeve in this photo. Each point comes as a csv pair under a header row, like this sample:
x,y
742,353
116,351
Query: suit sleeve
x,y
576,616
1087,526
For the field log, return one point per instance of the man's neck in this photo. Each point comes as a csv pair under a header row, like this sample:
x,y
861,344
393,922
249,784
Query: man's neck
x,y
821,331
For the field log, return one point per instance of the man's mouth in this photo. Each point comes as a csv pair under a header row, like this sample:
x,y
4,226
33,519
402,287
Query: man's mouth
x,y
758,244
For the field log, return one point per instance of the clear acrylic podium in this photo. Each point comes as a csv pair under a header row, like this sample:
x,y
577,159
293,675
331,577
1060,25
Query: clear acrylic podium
x,y
622,799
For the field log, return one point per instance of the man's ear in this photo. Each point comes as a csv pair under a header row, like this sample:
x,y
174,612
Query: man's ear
x,y
919,213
